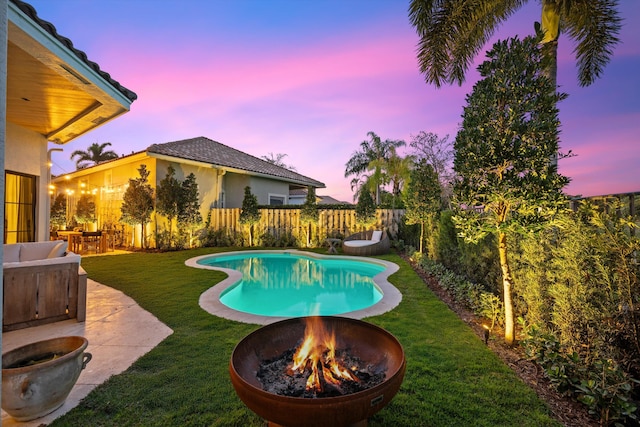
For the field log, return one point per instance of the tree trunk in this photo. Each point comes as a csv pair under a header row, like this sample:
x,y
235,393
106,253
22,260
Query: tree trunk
x,y
170,231
421,236
507,282
142,242
551,30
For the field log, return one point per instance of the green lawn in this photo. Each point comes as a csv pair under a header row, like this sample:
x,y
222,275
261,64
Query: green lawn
x,y
452,379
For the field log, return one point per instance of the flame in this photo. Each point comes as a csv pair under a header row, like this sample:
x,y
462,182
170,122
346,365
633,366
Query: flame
x,y
318,353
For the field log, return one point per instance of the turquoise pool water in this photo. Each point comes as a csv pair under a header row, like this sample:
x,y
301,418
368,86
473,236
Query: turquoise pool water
x,y
292,285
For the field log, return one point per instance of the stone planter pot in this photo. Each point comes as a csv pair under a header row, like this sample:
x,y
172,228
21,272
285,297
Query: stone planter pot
x,y
38,377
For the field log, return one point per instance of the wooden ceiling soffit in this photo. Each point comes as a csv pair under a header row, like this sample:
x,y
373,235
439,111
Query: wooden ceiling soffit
x,y
53,95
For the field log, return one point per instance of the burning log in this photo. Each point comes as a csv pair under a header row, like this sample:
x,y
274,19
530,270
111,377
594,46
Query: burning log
x,y
277,376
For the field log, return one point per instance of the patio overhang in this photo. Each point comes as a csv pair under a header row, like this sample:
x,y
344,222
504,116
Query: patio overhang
x,y
52,88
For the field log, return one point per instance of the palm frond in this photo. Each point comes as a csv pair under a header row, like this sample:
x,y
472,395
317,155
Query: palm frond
x,y
594,25
452,32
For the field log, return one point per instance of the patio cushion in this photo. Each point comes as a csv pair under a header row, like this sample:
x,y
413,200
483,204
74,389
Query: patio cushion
x,y
11,253
358,243
376,236
58,250
31,251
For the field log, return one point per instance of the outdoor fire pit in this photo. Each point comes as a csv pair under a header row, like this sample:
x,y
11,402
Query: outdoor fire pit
x,y
370,354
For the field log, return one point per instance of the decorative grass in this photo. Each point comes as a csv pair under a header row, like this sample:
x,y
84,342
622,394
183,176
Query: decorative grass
x,y
452,379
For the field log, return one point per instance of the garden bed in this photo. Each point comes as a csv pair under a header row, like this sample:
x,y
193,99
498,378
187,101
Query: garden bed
x,y
565,409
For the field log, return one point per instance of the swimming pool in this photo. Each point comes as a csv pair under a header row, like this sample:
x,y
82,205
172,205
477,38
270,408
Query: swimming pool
x,y
265,286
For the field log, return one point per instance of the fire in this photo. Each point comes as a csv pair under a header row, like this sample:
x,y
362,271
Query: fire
x,y
318,353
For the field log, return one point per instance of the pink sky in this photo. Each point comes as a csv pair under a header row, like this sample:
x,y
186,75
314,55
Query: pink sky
x,y
310,79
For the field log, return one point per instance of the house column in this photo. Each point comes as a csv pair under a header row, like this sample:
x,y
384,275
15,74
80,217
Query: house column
x,y
4,29
219,179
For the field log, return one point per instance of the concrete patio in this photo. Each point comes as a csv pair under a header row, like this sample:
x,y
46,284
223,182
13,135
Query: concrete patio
x,y
118,331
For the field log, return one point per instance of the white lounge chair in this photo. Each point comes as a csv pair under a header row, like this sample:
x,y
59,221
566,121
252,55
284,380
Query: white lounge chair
x,y
367,243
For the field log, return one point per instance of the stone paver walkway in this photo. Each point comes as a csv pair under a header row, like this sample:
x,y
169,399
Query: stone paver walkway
x,y
118,331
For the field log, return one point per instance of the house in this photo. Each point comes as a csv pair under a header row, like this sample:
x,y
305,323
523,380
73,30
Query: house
x,y
54,93
221,172
299,196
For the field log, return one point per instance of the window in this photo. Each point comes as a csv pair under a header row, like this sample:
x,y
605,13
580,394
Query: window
x,y
276,200
19,208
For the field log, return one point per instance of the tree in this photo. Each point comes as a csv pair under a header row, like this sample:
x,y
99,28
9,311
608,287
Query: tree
x,y
58,211
137,202
276,159
438,152
168,198
85,210
452,32
399,172
94,155
393,169
372,155
509,130
422,198
189,215
309,214
250,214
365,209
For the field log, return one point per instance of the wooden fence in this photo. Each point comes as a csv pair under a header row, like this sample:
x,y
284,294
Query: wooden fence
x,y
287,221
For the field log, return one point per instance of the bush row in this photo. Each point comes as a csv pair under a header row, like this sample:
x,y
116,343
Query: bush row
x,y
577,298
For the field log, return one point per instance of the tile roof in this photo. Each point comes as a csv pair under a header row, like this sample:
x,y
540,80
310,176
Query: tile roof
x,y
328,200
205,150
30,11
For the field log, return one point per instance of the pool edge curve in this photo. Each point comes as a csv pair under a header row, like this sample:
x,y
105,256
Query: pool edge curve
x,y
210,299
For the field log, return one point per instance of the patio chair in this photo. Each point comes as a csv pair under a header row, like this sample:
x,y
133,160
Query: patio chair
x,y
367,243
91,241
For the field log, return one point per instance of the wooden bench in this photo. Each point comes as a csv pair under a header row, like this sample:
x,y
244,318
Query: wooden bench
x,y
35,295
39,291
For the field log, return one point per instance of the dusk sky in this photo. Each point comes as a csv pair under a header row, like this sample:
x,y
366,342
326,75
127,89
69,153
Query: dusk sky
x,y
309,79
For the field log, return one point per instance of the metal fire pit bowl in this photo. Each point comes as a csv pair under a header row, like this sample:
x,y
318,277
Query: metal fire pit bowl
x,y
373,345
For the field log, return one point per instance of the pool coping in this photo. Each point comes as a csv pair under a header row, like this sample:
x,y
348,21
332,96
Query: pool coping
x,y
210,299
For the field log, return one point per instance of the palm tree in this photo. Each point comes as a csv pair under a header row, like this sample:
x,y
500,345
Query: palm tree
x,y
93,155
372,155
452,32
398,170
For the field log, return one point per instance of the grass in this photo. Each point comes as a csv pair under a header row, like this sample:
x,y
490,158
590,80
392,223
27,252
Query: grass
x,y
452,379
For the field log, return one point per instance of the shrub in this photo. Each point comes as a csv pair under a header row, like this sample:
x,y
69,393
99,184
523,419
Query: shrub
x,y
408,236
284,240
579,284
473,296
448,252
601,385
223,237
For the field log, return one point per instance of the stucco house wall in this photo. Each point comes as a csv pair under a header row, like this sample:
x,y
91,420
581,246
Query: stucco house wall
x,y
26,153
234,189
264,189
207,178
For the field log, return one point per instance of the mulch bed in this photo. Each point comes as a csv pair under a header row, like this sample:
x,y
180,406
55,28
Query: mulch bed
x,y
566,410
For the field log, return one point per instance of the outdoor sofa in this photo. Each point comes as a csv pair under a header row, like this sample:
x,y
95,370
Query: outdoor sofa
x,y
42,283
367,243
